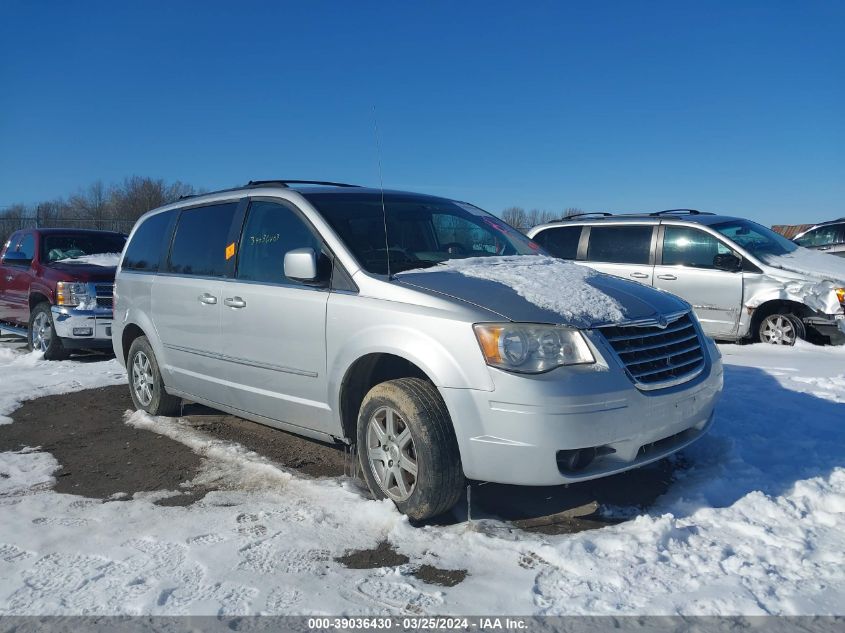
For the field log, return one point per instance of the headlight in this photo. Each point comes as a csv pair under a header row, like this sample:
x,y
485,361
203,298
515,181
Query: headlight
x,y
840,294
529,348
71,293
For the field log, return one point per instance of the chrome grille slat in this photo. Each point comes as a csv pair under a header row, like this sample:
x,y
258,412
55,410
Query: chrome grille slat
x,y
671,354
644,348
694,361
655,358
668,330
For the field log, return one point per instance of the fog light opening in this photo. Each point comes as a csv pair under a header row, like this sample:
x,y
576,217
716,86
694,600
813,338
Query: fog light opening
x,y
575,460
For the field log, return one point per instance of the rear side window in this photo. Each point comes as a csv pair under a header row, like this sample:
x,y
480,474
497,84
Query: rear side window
x,y
143,252
620,244
684,246
823,236
201,241
271,230
560,241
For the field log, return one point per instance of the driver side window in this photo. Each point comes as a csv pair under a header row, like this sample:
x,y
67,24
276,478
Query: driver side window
x,y
270,231
683,246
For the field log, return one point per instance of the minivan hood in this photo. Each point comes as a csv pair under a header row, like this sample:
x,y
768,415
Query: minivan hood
x,y
562,293
808,264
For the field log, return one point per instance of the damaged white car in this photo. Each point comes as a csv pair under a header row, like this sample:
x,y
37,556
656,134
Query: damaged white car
x,y
742,279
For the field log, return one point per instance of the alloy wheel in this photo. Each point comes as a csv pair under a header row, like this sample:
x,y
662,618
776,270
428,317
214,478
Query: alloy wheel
x,y
392,454
778,329
42,332
142,378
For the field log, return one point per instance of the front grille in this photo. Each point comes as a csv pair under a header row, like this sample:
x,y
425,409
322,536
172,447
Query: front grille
x,y
658,357
105,294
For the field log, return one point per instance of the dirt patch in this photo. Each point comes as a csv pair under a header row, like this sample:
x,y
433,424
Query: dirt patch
x,y
382,555
100,456
443,577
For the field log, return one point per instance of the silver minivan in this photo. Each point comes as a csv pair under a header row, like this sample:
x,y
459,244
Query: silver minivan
x,y
435,337
742,279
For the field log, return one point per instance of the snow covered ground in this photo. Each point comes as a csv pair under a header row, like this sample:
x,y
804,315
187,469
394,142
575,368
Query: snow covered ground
x,y
755,525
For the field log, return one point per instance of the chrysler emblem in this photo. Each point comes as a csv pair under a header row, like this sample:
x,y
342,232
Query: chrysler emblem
x,y
662,322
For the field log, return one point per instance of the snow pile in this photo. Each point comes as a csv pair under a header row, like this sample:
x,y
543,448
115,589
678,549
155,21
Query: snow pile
x,y
24,376
756,525
107,260
547,282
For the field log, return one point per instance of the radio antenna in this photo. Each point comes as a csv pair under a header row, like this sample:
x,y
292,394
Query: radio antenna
x,y
381,185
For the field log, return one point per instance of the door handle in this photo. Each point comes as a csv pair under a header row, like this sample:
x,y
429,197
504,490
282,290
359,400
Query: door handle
x,y
207,299
824,248
234,302
639,275
667,277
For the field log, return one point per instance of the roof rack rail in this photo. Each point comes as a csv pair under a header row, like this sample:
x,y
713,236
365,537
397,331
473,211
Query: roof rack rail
x,y
287,183
680,212
581,215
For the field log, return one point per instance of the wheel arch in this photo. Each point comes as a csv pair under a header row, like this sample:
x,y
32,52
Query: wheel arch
x,y
363,374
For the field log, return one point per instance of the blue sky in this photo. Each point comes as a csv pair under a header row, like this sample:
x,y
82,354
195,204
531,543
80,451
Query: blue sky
x,y
735,107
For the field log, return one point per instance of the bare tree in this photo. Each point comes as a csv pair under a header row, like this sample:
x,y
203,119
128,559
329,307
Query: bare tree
x,y
93,204
515,216
568,212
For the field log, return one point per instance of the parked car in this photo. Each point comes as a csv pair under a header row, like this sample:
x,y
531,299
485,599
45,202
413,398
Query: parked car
x,y
322,310
827,236
742,279
56,288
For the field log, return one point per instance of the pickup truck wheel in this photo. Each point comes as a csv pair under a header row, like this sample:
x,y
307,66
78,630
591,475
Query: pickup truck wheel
x,y
781,328
407,448
145,384
41,336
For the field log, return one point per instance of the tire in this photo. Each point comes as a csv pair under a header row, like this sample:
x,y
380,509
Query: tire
x,y
781,328
145,384
404,423
41,334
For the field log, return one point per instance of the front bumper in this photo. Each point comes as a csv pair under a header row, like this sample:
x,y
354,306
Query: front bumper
x,y
83,328
516,433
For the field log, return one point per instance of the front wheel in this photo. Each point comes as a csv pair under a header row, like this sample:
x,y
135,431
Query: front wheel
x,y
145,384
407,448
781,329
42,337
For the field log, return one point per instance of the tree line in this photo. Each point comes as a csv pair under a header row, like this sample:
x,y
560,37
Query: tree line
x,y
116,207
113,207
523,220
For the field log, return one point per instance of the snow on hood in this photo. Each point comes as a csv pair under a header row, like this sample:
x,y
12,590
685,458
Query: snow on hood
x,y
811,263
543,289
825,273
107,260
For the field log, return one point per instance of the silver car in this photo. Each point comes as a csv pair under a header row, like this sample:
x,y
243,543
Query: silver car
x,y
828,237
372,318
742,279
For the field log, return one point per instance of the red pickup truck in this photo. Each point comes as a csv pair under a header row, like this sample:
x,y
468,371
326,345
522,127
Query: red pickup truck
x,y
56,288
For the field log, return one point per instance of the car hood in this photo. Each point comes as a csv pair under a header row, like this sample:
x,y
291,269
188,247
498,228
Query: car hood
x,y
636,301
85,272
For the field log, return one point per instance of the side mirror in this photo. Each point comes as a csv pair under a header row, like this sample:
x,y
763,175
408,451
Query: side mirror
x,y
301,264
728,262
16,258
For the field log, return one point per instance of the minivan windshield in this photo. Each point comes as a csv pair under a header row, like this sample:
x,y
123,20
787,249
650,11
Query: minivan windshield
x,y
421,231
755,238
